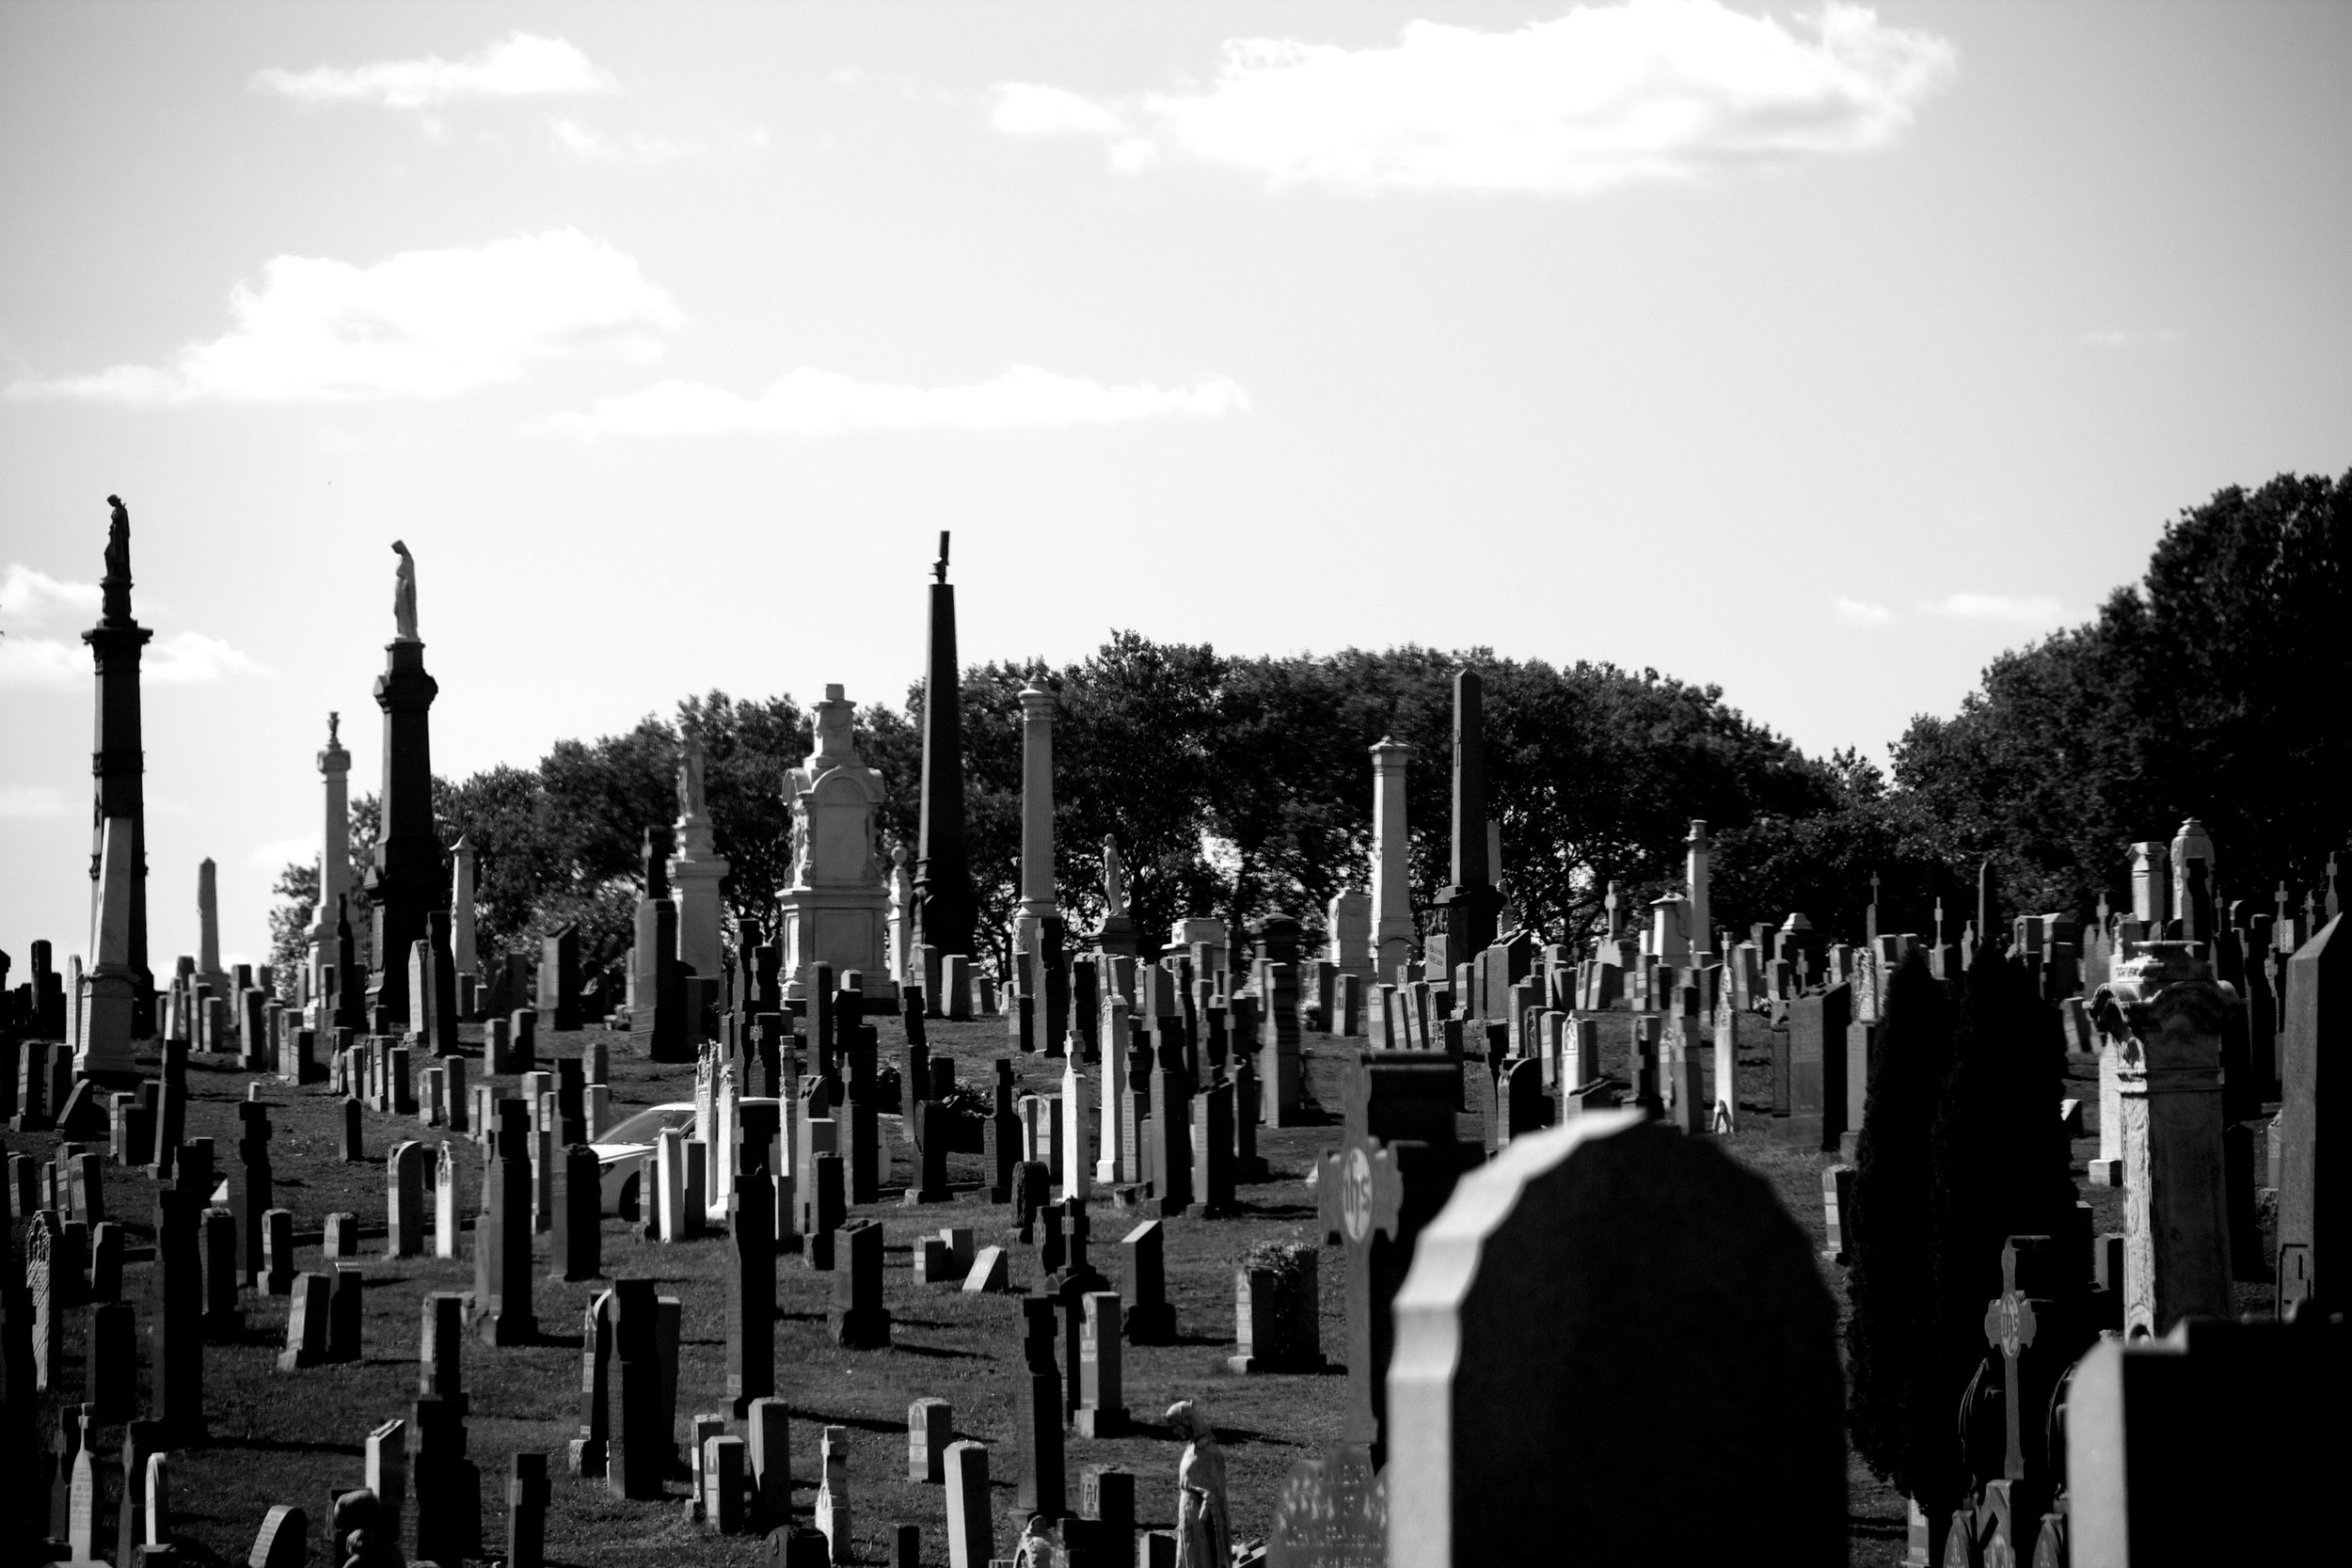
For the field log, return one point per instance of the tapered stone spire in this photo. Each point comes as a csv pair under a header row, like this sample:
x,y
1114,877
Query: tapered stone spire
x,y
117,778
1462,917
405,883
945,906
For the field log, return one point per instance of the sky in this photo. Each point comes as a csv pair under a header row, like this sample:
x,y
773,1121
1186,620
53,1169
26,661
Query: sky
x,y
1821,353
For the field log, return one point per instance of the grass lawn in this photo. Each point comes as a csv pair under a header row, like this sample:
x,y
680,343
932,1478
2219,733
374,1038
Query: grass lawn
x,y
298,1438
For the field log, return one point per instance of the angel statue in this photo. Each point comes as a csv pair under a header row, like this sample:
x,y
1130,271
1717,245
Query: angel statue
x,y
405,595
1114,877
691,800
1205,1533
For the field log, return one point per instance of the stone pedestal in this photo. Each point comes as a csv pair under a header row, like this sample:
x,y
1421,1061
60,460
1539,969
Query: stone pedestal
x,y
405,883
836,910
2166,1015
696,870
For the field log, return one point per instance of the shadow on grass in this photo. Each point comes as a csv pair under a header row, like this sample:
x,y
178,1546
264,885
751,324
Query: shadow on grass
x,y
941,1352
855,1424
276,1445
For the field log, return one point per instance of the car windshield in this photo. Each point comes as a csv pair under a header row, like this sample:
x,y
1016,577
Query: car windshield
x,y
646,1126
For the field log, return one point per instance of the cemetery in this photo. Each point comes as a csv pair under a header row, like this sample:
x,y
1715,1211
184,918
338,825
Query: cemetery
x,y
869,1235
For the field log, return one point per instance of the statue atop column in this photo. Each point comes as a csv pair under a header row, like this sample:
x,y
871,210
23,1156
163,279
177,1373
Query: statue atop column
x,y
1114,880
117,582
691,801
405,595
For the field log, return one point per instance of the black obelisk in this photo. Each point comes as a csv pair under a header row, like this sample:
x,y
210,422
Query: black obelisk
x,y
119,765
945,904
405,883
1464,912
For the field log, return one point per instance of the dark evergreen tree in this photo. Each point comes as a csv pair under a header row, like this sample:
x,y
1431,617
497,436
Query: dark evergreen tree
x,y
1901,1416
2000,1161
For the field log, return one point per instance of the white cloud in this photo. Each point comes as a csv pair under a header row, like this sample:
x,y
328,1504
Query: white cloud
x,y
592,146
523,66
421,324
1601,97
1024,109
31,598
278,854
811,402
31,801
42,661
187,658
2028,608
1862,612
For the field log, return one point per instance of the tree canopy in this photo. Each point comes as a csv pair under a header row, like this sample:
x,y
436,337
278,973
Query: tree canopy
x,y
1237,785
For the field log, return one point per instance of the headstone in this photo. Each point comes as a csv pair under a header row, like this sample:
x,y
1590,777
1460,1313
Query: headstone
x,y
306,1323
2167,1014
1039,1483
769,1434
2311,1194
1602,1245
971,1515
931,1425
283,1541
833,1491
574,1249
277,1250
1144,1306
860,1319
1275,1313
502,1237
2141,1492
991,1272
1102,1411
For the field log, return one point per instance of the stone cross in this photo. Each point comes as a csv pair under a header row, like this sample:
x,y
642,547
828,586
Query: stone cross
x,y
1394,1169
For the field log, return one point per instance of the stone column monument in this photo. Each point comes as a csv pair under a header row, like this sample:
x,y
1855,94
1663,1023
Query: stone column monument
x,y
1462,918
2166,1014
2192,843
2151,887
404,882
461,942
1702,919
696,867
836,908
117,778
334,858
1036,818
946,904
208,969
1392,862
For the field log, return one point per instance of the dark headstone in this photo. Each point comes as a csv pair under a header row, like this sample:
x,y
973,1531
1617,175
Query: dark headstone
x,y
1150,1318
575,1239
1611,1244
860,1319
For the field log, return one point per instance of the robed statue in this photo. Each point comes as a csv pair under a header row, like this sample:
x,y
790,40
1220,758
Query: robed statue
x,y
405,595
1114,879
117,542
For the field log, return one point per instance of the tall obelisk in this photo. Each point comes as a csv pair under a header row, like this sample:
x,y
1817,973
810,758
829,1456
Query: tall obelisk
x,y
1462,916
945,907
117,775
334,863
405,883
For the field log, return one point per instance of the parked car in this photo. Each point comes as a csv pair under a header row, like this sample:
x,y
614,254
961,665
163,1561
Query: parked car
x,y
621,1153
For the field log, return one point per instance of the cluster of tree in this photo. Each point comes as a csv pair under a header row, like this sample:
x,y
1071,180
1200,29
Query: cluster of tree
x,y
1959,1151
1238,786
